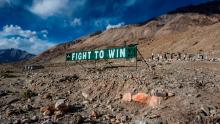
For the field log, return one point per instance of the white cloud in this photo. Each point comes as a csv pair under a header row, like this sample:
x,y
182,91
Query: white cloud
x,y
46,8
109,26
16,30
13,36
76,22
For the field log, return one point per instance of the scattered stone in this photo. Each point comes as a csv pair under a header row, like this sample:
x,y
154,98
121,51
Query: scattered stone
x,y
9,112
122,118
17,122
161,94
154,101
95,105
153,116
140,122
77,119
34,118
85,102
29,100
24,121
170,94
94,114
47,96
27,107
141,98
48,122
58,113
198,120
61,105
205,110
85,95
47,111
113,120
127,97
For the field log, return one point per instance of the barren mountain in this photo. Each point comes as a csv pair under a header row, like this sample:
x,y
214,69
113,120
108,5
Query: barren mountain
x,y
188,29
14,55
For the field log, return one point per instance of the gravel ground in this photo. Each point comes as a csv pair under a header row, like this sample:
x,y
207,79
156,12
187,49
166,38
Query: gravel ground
x,y
189,93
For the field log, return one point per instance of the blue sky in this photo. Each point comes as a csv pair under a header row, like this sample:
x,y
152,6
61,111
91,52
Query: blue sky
x,y
36,25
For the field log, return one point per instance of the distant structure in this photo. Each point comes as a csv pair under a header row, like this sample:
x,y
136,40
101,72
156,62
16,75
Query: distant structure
x,y
179,57
32,67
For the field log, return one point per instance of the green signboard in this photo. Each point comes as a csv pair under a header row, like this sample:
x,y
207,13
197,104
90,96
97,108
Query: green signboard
x,y
113,53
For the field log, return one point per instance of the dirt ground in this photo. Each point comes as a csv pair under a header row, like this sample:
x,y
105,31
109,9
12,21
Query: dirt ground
x,y
94,95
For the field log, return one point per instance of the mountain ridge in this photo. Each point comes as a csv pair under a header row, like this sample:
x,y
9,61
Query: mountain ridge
x,y
14,55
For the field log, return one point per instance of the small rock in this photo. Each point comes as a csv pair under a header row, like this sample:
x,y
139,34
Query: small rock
x,y
48,122
47,117
205,109
108,117
58,113
17,122
61,105
27,107
140,122
29,100
113,120
154,101
213,112
94,114
126,97
34,118
69,92
170,94
47,111
27,120
85,95
85,102
198,120
95,105
47,96
122,118
161,94
77,119
9,112
141,98
57,116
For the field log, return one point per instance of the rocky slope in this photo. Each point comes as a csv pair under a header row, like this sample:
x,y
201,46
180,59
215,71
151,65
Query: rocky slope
x,y
14,55
188,29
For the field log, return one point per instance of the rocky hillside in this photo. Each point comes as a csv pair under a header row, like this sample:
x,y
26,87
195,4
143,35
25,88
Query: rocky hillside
x,y
188,29
14,55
